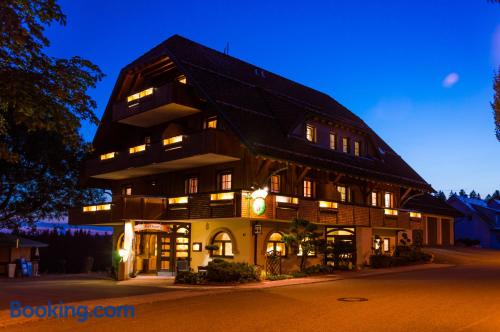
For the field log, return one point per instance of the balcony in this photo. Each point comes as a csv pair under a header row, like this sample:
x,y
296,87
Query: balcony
x,y
204,148
165,103
121,208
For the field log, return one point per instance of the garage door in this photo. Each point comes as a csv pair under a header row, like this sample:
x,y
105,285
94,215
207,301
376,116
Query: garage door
x,y
445,231
432,231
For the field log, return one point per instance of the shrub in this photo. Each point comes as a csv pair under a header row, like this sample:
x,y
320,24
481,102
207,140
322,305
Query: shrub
x,y
383,261
219,270
298,274
318,269
279,277
187,277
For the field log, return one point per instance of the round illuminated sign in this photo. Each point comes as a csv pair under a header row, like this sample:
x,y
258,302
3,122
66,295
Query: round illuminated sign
x,y
259,206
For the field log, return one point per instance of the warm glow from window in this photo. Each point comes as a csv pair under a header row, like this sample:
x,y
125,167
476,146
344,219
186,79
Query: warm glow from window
x,y
182,79
212,123
356,149
287,199
178,200
374,198
333,141
192,185
109,155
308,188
390,212
342,193
345,145
275,183
328,205
172,140
225,181
221,196
311,133
94,208
388,200
137,149
139,95
415,215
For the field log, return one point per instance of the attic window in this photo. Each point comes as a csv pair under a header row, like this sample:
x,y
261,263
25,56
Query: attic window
x,y
311,133
211,123
182,79
357,149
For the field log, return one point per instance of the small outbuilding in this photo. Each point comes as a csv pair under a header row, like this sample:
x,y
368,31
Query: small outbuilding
x,y
14,248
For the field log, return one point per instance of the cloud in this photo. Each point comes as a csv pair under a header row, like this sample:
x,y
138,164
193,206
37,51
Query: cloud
x,y
450,80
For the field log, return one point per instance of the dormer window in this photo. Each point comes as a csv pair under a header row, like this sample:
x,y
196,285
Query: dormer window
x,y
333,141
211,123
345,144
182,79
311,133
388,200
275,183
357,148
308,188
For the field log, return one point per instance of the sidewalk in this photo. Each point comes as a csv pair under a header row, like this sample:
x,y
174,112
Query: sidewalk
x,y
186,291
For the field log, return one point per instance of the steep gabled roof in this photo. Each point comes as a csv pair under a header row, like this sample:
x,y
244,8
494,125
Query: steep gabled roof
x,y
263,109
432,205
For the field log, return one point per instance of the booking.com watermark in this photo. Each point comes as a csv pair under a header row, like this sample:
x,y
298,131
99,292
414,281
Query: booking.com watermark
x,y
60,310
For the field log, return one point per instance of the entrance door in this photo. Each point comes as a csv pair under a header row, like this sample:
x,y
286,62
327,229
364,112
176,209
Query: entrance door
x,y
165,254
445,232
341,243
432,231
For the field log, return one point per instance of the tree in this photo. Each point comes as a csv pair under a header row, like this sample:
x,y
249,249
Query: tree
x,y
441,195
42,103
452,194
473,194
462,193
495,105
496,194
303,237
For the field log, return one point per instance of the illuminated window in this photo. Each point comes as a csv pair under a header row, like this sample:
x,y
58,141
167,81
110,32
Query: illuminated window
x,y
417,215
221,196
388,200
172,140
192,185
224,245
387,245
127,191
328,205
211,123
311,133
182,79
333,141
356,148
287,200
374,198
276,245
275,183
197,246
308,188
225,181
109,155
139,95
390,212
94,208
178,200
137,149
345,144
342,193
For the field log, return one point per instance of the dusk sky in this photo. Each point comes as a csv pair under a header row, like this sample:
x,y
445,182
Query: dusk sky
x,y
418,72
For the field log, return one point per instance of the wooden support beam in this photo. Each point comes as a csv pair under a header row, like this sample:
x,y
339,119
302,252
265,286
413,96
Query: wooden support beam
x,y
405,195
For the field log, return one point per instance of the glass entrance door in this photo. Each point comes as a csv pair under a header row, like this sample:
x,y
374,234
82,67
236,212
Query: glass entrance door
x,y
165,254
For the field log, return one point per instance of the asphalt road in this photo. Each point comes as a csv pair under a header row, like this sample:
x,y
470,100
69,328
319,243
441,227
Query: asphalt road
x,y
461,298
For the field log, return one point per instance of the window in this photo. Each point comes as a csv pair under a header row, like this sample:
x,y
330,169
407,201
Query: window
x,y
137,149
172,140
225,246
374,198
225,181
191,185
311,133
139,95
211,123
221,196
387,244
109,155
328,205
127,191
197,246
178,200
287,200
417,215
308,188
182,79
345,145
276,245
94,208
310,253
356,148
388,200
342,193
333,141
275,183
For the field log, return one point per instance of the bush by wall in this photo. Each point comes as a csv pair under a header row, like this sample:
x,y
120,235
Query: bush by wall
x,y
384,261
220,271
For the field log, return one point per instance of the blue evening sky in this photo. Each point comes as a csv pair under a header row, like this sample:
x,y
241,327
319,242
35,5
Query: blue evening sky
x,y
418,72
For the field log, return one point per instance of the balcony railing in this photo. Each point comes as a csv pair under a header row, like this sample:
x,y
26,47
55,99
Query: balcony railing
x,y
165,103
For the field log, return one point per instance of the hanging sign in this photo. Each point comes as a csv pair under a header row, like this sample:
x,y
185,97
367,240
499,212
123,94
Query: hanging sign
x,y
259,201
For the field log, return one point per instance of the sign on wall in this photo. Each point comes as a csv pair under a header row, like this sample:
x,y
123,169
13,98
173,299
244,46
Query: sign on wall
x,y
151,227
259,201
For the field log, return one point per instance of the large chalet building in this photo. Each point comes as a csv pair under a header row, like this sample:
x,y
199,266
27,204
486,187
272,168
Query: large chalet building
x,y
202,149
